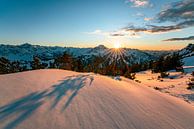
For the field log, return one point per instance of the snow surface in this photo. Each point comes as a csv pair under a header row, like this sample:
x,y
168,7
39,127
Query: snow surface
x,y
58,99
188,64
189,61
176,84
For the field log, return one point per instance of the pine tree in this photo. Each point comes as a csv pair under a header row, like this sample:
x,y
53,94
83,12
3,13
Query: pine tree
x,y
157,66
167,63
4,65
78,64
36,63
130,75
64,62
15,67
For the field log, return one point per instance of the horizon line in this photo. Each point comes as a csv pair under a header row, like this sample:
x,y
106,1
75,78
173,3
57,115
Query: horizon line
x,y
90,46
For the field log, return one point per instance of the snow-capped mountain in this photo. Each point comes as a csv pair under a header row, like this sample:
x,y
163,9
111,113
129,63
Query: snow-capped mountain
x,y
25,52
187,51
188,56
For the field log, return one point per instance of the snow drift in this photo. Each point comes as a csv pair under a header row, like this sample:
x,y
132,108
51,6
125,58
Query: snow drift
x,y
58,99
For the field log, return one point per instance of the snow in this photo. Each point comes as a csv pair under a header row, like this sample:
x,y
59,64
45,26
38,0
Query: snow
x,y
117,78
58,99
187,51
188,64
189,61
176,84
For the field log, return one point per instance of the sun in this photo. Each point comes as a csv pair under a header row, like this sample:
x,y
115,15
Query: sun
x,y
117,45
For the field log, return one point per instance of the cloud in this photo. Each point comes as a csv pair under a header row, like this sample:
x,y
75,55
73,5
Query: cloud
x,y
118,33
177,12
151,29
179,15
140,3
148,19
98,32
180,39
124,33
132,31
160,29
140,14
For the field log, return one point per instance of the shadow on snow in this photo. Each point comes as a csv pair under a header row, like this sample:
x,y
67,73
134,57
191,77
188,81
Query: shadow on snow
x,y
26,106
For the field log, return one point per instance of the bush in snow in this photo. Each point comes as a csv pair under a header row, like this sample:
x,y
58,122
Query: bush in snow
x,y
157,88
190,84
138,81
164,74
130,75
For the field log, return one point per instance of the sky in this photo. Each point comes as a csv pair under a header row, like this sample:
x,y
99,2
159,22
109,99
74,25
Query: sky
x,y
141,24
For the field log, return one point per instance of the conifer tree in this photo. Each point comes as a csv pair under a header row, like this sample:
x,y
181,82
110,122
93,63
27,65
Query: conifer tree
x,y
64,62
36,63
4,65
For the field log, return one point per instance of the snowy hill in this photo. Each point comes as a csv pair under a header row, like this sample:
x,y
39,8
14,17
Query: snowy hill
x,y
187,51
25,52
188,57
189,61
175,84
58,99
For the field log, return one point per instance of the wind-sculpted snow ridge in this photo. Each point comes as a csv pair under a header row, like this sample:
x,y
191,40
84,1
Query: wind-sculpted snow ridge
x,y
58,99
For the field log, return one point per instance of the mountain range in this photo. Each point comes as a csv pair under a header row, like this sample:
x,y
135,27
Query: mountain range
x,y
26,52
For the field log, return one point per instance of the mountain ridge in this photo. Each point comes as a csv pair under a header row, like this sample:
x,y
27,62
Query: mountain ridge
x,y
25,53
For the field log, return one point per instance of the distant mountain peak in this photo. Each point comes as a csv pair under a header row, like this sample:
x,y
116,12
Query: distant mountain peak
x,y
100,47
25,45
187,51
190,46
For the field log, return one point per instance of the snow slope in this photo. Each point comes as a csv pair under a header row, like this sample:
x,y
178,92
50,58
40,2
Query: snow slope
x,y
176,84
189,61
188,64
57,99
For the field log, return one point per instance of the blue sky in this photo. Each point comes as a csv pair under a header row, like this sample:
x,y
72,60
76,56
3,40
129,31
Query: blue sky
x,y
87,23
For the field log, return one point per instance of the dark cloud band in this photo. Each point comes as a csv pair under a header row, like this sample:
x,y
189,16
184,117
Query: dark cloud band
x,y
160,29
177,11
180,39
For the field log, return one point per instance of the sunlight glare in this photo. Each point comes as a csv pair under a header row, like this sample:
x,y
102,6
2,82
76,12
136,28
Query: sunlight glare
x,y
117,45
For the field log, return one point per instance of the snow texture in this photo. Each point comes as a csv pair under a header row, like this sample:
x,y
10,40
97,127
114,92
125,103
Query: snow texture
x,y
58,99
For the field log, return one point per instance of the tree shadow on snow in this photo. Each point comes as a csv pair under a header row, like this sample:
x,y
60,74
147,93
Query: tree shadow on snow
x,y
19,110
70,84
